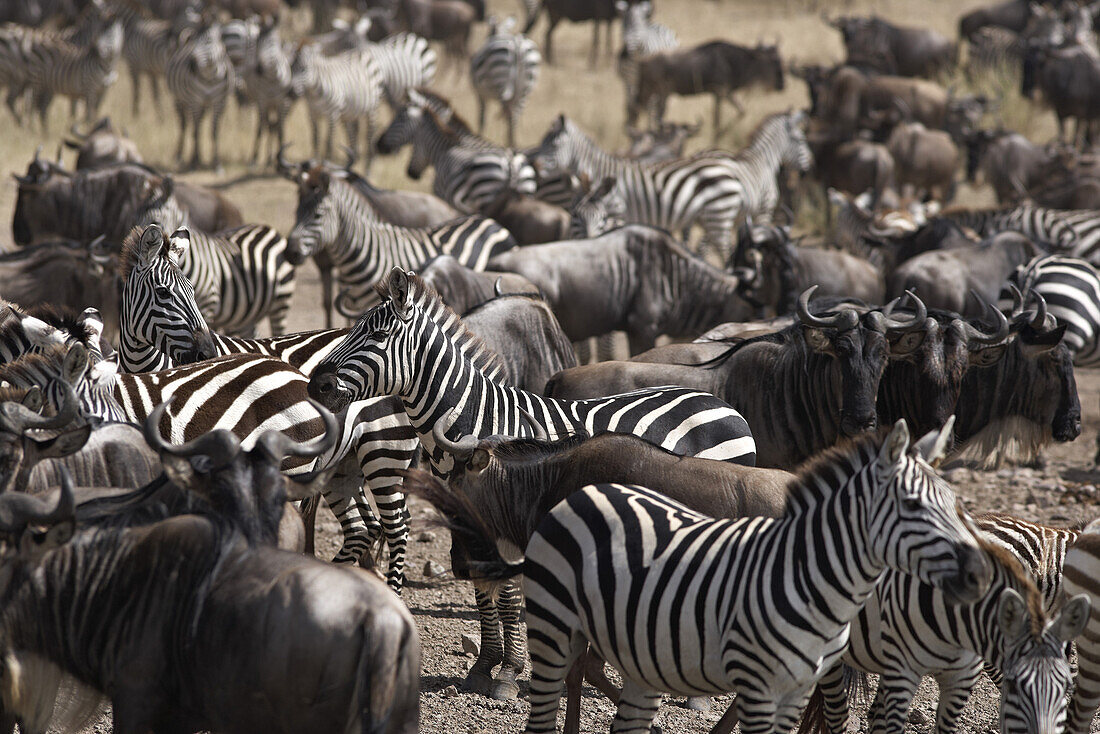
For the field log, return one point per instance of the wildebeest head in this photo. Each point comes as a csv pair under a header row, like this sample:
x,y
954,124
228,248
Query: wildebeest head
x,y
159,311
246,487
768,66
21,450
34,204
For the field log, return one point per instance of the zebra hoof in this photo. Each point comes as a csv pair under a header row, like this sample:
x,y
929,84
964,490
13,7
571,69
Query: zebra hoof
x,y
478,683
697,703
504,690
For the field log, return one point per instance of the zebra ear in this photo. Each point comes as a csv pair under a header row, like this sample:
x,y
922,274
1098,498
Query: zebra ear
x,y
895,446
1072,619
1012,614
178,245
933,445
75,364
398,285
33,399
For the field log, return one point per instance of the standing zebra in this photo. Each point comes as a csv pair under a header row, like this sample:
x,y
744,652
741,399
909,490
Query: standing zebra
x,y
470,172
641,37
703,606
1064,231
414,347
147,45
505,69
263,67
404,61
1071,288
200,77
712,189
240,276
333,216
343,88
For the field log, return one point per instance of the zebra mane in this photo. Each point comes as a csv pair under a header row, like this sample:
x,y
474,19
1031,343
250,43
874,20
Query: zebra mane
x,y
425,298
128,255
438,106
59,317
1022,579
12,394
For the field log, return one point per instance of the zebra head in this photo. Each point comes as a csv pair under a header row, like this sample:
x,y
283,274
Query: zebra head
x,y
596,211
316,221
64,367
555,152
160,320
796,152
915,523
404,129
1036,674
303,69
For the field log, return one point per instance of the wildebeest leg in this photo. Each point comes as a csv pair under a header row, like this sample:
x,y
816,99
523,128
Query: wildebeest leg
x,y
605,347
641,341
480,678
509,602
135,89
583,348
728,721
215,121
261,124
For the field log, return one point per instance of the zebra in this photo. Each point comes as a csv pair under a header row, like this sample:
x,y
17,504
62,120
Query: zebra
x,y
682,603
414,347
344,88
908,629
200,77
332,215
263,68
1081,571
641,37
712,189
505,69
240,276
148,43
470,172
404,61
1065,232
159,323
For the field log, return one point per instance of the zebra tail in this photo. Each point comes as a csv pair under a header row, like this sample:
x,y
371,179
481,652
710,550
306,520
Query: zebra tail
x,y
467,523
813,716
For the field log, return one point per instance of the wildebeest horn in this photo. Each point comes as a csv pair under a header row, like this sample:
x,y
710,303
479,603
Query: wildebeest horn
x,y
38,154
219,445
1017,300
808,318
538,429
917,320
19,509
22,418
279,445
461,448
1040,319
1000,333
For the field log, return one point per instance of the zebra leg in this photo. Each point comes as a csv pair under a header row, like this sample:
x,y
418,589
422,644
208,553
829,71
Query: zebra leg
x,y
181,111
554,649
513,117
717,116
135,90
890,708
593,55
583,348
261,123
481,115
368,154
359,533
955,687
324,264
215,120
1086,693
480,678
196,132
834,696
637,708
605,347
551,22
509,602
395,527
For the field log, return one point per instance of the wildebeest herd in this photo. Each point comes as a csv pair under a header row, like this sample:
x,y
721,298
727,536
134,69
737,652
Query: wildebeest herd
x,y
749,501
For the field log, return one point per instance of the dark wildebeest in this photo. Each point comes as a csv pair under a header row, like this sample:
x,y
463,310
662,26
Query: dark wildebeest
x,y
926,161
853,166
1068,181
804,386
851,100
448,21
533,221
55,204
101,146
717,68
635,279
1007,161
874,43
945,278
336,650
1012,15
1069,79
576,11
462,288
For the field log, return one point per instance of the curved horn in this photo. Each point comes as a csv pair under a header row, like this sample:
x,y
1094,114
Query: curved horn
x,y
999,334
808,318
219,445
498,291
538,429
22,418
461,448
38,155
917,320
1017,300
1040,319
279,445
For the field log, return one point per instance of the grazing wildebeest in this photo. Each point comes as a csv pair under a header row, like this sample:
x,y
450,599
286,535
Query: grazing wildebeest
x,y
945,278
101,145
576,11
926,161
1069,79
717,68
335,649
635,279
876,44
805,386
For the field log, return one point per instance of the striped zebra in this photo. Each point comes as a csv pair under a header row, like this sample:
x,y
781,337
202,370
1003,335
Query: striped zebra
x,y
1071,288
1081,572
711,189
240,276
641,37
505,69
343,88
148,42
470,172
200,78
263,67
909,629
333,216
682,603
159,324
404,61
1074,232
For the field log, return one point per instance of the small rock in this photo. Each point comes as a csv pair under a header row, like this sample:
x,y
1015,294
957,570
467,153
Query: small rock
x,y
426,537
470,646
1006,473
433,570
450,692
918,717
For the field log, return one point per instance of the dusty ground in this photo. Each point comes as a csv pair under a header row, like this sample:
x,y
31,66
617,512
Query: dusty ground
x,y
1062,493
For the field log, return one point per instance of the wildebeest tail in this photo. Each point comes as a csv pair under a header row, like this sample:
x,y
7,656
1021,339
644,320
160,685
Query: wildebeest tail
x,y
389,676
468,523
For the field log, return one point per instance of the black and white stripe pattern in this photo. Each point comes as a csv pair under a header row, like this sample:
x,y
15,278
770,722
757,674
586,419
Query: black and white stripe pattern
x,y
147,45
263,67
505,70
470,172
710,189
200,78
1071,288
641,37
682,603
335,217
404,61
1062,231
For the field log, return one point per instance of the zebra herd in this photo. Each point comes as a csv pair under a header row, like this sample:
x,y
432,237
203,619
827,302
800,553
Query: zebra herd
x,y
764,511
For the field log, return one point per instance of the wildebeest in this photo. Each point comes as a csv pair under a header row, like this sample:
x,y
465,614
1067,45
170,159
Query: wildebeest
x,y
448,21
335,649
1007,161
1012,15
854,166
462,288
101,145
635,279
717,68
804,386
576,11
926,161
874,43
1069,79
851,100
